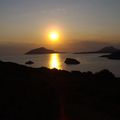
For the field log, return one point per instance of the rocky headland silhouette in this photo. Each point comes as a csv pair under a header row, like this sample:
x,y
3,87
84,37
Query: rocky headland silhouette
x,y
44,94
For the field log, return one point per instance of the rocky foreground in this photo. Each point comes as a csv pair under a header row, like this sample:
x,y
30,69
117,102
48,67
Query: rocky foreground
x,y
44,94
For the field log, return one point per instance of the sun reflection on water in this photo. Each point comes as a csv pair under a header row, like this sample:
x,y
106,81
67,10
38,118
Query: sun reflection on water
x,y
54,61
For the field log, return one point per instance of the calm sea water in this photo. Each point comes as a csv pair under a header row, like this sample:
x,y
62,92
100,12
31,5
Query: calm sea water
x,y
89,62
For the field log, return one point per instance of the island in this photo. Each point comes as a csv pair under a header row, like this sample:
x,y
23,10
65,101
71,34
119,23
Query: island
x,y
71,61
41,50
107,49
29,62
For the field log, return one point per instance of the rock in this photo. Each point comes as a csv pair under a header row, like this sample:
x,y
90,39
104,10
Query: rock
x,y
71,61
29,62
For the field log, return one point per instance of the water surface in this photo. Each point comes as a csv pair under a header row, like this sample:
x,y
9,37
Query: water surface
x,y
88,62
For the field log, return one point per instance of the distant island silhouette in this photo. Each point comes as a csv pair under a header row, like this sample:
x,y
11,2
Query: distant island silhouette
x,y
41,50
44,94
107,49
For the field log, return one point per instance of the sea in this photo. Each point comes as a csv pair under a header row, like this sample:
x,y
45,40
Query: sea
x,y
88,62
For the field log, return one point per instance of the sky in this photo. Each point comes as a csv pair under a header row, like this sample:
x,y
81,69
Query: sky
x,y
26,23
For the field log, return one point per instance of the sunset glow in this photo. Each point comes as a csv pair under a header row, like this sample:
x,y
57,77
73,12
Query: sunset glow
x,y
65,25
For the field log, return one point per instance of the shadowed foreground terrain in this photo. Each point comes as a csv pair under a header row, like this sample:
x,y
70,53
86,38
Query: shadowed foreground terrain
x,y
44,94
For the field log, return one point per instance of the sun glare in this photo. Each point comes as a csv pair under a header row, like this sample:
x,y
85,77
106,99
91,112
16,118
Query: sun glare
x,y
54,36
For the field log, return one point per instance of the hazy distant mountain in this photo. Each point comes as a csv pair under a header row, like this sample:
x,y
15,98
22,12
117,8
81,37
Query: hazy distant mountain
x,y
41,50
108,49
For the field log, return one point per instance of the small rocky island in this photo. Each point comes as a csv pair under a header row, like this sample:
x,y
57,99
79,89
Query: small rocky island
x,y
40,50
29,62
71,61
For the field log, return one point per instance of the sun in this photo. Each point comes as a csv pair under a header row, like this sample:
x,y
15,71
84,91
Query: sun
x,y
54,36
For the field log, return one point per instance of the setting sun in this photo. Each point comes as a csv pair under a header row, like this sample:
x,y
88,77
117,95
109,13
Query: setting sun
x,y
54,36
